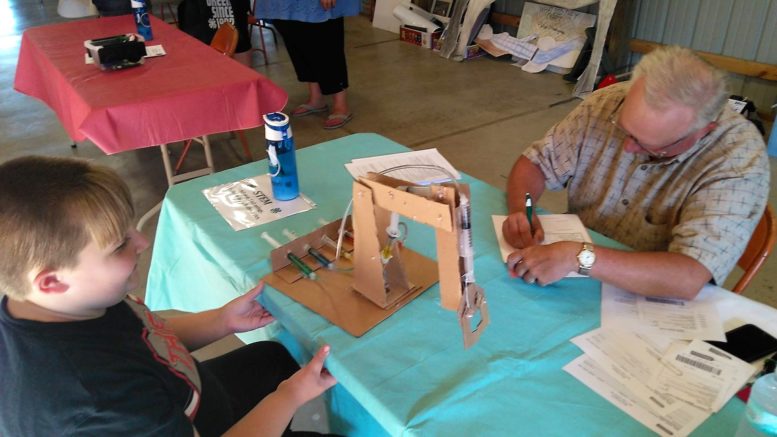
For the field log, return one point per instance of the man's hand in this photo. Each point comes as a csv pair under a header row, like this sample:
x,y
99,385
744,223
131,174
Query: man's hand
x,y
245,313
518,232
310,381
328,4
544,264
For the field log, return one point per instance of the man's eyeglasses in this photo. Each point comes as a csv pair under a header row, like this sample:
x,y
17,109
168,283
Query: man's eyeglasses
x,y
659,152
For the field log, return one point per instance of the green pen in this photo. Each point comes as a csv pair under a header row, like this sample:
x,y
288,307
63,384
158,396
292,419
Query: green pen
x,y
529,212
303,268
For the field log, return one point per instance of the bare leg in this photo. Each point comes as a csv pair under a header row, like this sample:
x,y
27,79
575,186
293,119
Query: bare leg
x,y
339,103
339,115
315,98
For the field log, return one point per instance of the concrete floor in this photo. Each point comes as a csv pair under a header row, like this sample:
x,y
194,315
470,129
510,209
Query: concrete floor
x,y
480,114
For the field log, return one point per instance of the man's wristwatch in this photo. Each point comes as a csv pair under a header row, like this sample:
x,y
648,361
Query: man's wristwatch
x,y
586,259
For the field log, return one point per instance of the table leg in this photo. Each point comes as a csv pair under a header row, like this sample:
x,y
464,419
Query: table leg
x,y
173,178
150,213
167,165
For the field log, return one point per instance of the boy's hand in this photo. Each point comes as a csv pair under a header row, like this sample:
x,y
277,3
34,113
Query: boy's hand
x,y
245,313
310,381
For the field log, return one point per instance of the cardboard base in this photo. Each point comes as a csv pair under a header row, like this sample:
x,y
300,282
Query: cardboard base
x,y
332,295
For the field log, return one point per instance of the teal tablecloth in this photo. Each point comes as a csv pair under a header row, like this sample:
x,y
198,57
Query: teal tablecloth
x,y
410,375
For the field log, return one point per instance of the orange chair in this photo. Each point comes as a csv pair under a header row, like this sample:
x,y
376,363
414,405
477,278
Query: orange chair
x,y
225,41
757,250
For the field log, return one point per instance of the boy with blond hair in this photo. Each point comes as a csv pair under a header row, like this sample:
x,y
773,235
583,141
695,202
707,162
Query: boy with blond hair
x,y
79,356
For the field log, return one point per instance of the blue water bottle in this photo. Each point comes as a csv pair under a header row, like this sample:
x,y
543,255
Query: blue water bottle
x,y
142,21
280,152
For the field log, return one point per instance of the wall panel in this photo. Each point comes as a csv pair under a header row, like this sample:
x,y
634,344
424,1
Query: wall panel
x,y
745,29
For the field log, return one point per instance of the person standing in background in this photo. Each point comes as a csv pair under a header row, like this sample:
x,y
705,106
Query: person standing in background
x,y
112,8
314,34
202,18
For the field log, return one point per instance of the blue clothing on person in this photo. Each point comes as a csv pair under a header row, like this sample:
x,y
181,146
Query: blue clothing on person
x,y
308,11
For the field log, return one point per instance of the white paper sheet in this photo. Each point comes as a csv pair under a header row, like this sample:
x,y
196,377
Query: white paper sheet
x,y
557,227
628,359
702,375
249,202
679,421
655,317
696,374
428,157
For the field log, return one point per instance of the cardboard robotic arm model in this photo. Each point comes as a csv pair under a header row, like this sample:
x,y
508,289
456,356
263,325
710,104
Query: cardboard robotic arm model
x,y
379,271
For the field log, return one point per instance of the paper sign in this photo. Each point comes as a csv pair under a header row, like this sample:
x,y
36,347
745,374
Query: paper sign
x,y
249,202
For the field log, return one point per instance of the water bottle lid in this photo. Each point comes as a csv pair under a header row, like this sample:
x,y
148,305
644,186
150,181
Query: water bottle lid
x,y
276,120
276,126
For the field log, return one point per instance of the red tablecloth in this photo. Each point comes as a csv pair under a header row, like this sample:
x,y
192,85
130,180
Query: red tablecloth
x,y
191,91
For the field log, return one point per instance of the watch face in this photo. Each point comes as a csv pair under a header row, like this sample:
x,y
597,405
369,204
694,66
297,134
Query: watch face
x,y
586,258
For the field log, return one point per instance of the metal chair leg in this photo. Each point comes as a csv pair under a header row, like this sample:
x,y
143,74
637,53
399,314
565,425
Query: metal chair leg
x,y
244,142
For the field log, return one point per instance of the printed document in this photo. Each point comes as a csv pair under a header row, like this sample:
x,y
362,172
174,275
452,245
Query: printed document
x,y
701,375
678,420
631,360
640,361
435,168
677,387
249,202
557,227
653,316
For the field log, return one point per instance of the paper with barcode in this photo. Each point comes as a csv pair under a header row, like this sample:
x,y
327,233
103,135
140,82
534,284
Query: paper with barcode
x,y
630,359
624,365
420,166
661,317
652,412
701,375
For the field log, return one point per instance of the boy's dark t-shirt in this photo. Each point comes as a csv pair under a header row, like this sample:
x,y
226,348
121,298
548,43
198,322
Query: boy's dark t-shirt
x,y
202,18
122,373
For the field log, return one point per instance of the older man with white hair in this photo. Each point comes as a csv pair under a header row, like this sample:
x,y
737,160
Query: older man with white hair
x,y
661,164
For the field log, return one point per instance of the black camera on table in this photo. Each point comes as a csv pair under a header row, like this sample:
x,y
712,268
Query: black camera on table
x,y
117,52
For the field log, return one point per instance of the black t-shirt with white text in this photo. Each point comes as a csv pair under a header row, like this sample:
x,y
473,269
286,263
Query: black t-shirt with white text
x,y
202,18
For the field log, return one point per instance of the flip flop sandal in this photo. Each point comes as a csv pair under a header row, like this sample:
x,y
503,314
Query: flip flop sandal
x,y
335,121
305,109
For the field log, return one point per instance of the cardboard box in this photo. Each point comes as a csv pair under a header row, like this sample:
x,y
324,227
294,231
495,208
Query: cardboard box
x,y
416,37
